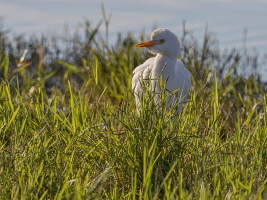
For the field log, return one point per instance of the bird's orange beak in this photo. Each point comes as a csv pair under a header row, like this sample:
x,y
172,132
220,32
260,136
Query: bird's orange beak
x,y
150,43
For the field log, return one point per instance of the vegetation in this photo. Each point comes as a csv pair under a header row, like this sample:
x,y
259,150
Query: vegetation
x,y
69,127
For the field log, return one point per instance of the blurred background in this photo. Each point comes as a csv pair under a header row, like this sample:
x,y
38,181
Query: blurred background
x,y
228,20
58,40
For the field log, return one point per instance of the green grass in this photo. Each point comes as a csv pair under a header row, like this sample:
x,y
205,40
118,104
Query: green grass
x,y
86,141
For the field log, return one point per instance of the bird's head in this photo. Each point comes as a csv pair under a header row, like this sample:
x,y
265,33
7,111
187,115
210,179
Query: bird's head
x,y
164,42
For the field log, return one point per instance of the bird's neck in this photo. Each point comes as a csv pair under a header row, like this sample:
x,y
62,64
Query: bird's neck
x,y
162,69
162,64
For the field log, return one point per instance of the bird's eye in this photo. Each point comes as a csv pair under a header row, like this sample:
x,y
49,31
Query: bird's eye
x,y
162,41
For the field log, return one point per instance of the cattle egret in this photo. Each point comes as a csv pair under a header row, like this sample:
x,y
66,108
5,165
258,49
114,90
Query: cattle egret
x,y
163,68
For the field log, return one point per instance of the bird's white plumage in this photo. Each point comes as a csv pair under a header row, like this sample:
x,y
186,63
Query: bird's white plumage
x,y
164,65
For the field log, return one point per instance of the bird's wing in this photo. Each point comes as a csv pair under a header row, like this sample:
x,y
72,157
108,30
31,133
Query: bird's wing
x,y
141,75
178,83
142,71
187,79
182,80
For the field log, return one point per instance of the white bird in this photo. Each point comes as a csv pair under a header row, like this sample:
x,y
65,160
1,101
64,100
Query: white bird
x,y
164,66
